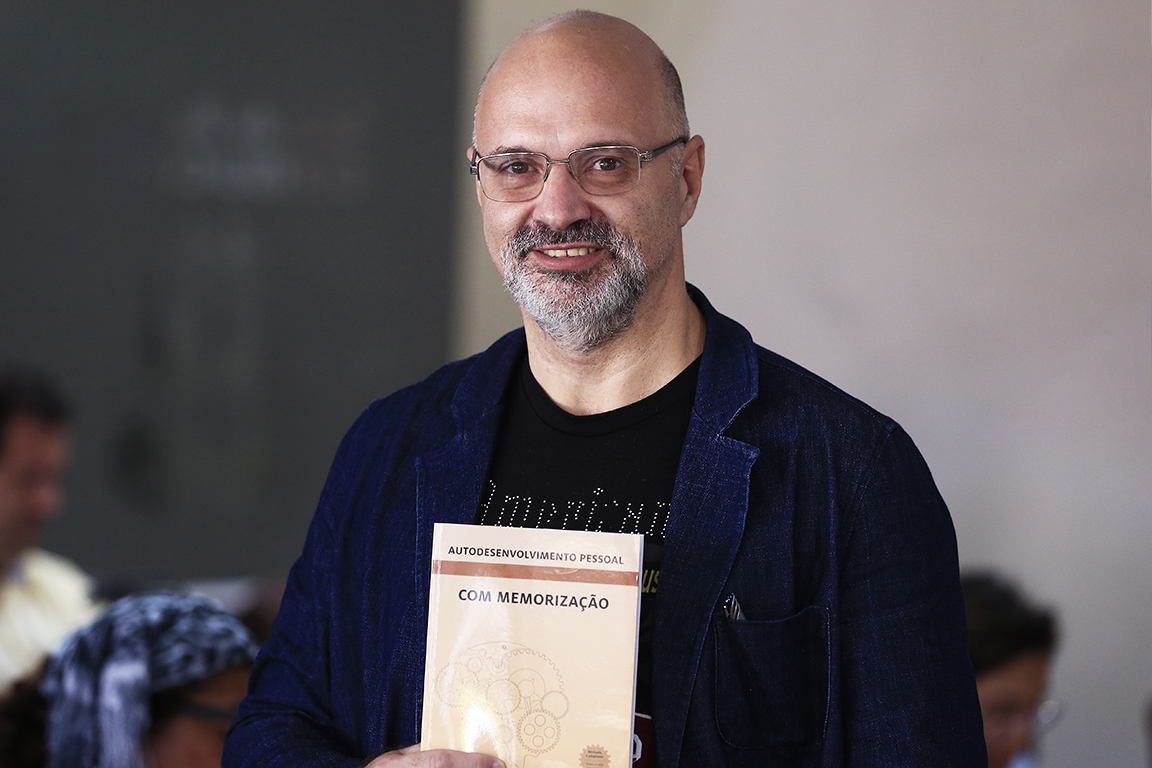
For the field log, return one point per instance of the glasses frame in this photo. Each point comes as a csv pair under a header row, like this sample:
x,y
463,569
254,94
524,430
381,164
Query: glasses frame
x,y
643,157
204,712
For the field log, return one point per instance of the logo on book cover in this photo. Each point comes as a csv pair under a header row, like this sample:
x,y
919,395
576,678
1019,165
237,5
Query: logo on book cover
x,y
517,690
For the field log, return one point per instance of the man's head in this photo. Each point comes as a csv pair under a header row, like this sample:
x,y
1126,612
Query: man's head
x,y
34,452
580,256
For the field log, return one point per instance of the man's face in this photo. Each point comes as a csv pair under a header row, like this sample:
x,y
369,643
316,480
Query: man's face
x,y
33,457
580,264
1009,695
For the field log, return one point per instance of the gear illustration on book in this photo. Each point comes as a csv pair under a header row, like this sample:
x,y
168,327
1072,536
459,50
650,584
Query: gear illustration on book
x,y
521,688
539,731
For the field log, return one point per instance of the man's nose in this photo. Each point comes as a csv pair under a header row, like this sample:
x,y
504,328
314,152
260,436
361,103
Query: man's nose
x,y
561,202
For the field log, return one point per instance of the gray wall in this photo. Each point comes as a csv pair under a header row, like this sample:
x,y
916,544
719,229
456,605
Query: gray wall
x,y
227,227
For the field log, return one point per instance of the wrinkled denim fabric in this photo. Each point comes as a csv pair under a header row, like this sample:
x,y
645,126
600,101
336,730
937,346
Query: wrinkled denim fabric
x,y
815,511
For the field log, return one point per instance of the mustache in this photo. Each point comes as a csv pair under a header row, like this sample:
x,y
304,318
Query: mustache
x,y
541,236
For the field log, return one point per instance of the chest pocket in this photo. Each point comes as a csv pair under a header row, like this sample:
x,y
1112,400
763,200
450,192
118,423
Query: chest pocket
x,y
772,680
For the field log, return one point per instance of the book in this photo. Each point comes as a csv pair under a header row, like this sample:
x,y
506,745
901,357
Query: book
x,y
532,637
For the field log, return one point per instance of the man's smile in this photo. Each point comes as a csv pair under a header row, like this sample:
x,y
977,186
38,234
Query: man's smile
x,y
566,252
571,256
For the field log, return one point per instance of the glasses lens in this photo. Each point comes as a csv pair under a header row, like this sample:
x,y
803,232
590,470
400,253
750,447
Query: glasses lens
x,y
1046,715
514,177
606,170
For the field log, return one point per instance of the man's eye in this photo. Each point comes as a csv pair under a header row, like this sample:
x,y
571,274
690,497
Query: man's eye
x,y
607,164
516,167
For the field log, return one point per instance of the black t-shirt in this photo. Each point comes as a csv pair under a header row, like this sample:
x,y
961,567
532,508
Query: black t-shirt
x,y
610,472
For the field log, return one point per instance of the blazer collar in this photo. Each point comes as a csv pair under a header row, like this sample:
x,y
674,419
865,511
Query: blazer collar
x,y
729,371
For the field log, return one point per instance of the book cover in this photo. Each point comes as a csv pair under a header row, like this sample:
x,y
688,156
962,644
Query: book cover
x,y
532,645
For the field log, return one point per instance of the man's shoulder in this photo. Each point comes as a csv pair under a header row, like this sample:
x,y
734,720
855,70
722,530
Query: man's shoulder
x,y
789,386
38,565
49,579
431,411
474,381
753,383
44,599
749,380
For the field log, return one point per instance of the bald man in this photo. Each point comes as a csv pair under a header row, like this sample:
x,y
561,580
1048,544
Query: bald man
x,y
801,604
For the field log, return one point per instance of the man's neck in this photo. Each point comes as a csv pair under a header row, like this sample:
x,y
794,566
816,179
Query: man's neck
x,y
666,336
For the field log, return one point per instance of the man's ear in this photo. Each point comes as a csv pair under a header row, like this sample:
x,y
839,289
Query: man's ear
x,y
691,177
469,152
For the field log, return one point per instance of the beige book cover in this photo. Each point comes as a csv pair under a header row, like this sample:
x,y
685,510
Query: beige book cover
x,y
532,645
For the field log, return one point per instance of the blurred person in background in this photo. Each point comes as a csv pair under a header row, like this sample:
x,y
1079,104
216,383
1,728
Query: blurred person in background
x,y
1011,642
154,683
43,597
1148,729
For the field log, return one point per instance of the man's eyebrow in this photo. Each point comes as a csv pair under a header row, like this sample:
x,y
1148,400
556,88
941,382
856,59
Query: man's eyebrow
x,y
522,150
518,150
608,143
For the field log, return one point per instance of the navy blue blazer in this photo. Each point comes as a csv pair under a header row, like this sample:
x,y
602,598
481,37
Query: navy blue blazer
x,y
815,511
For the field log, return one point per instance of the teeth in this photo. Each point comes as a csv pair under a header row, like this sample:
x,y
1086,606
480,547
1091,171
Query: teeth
x,y
568,252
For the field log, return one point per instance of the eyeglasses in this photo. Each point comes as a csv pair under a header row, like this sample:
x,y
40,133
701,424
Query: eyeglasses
x,y
998,725
202,712
515,177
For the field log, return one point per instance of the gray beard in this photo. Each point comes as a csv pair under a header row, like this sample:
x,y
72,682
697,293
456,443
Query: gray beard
x,y
579,311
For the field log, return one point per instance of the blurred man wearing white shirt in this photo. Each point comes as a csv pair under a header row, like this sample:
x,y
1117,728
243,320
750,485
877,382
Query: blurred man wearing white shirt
x,y
43,597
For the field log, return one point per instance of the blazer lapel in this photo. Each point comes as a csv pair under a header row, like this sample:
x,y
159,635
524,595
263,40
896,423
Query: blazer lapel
x,y
705,525
704,531
450,480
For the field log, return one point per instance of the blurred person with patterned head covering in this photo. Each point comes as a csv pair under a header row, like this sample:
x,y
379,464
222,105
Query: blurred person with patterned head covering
x,y
154,683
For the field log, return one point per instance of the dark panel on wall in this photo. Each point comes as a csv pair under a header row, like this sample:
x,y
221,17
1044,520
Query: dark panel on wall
x,y
226,227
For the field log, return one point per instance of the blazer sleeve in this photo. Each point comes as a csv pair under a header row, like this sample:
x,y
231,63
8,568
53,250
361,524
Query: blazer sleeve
x,y
287,718
909,694
301,710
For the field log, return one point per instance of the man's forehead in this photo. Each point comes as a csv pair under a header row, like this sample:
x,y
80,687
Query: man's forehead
x,y
583,101
556,140
576,56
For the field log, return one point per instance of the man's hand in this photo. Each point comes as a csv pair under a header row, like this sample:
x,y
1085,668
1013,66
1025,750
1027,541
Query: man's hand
x,y
413,757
